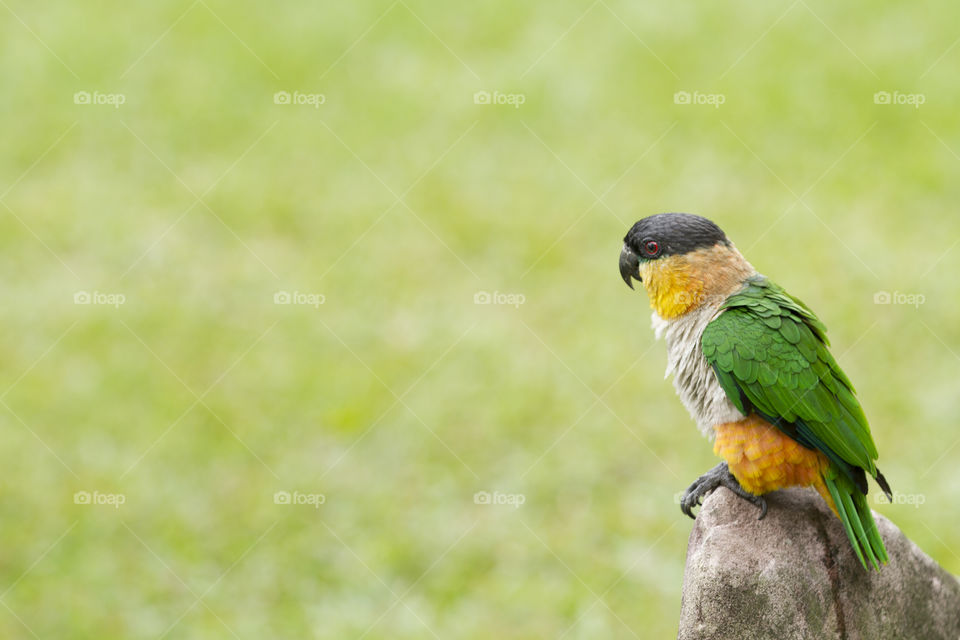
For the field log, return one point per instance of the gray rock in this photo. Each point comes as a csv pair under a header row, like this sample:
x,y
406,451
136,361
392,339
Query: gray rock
x,y
794,575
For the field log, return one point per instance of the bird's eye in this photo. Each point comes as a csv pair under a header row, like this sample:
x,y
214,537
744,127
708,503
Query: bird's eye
x,y
651,247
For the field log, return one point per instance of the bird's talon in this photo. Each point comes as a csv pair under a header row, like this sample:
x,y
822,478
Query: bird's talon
x,y
719,476
763,508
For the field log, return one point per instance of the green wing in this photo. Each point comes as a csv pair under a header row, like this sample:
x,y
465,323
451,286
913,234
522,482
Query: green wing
x,y
769,352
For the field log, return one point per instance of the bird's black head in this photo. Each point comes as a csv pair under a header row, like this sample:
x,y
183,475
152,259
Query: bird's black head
x,y
664,235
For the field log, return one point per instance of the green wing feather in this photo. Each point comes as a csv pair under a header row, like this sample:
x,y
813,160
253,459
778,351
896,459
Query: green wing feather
x,y
770,354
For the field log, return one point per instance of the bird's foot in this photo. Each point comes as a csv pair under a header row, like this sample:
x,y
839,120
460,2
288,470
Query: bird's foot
x,y
719,476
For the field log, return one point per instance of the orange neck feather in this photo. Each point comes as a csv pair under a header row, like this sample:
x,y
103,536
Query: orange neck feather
x,y
678,284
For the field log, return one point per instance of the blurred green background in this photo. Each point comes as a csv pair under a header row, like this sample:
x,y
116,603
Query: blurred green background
x,y
394,203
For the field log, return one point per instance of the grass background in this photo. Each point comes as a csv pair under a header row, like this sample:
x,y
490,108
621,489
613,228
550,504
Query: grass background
x,y
398,398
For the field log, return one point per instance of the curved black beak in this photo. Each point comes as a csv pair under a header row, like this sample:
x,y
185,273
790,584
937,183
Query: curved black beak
x,y
629,266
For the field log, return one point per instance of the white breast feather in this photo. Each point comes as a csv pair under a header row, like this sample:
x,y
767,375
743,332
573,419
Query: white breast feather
x,y
693,377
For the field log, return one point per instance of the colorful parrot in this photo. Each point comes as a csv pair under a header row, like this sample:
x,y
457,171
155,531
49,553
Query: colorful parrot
x,y
750,363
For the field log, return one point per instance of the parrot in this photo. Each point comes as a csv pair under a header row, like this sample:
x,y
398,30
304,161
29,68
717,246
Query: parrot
x,y
751,363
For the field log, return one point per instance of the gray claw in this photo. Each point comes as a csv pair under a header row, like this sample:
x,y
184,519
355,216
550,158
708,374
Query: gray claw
x,y
719,476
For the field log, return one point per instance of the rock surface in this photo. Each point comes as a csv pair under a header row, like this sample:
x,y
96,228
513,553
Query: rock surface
x,y
794,575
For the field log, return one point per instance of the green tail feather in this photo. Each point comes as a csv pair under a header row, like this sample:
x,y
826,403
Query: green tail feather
x,y
857,520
